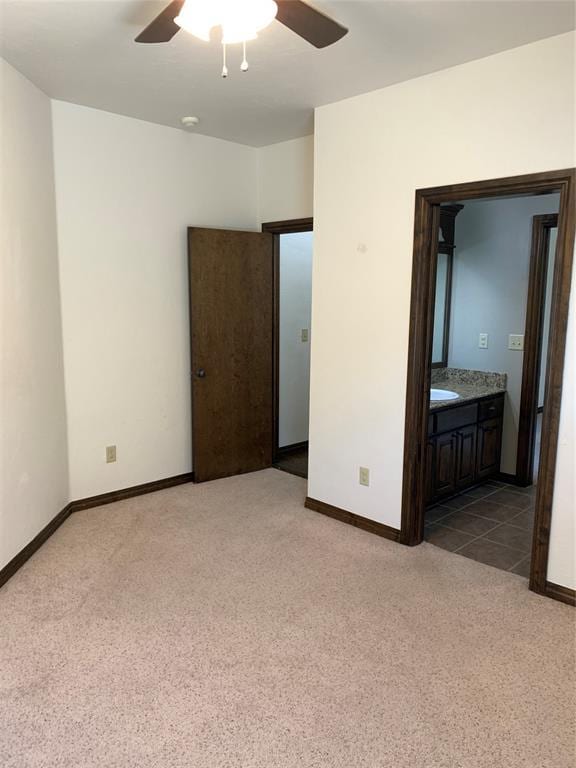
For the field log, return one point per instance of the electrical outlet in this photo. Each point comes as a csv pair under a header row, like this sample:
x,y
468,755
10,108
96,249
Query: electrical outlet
x,y
304,334
483,341
516,341
110,454
364,478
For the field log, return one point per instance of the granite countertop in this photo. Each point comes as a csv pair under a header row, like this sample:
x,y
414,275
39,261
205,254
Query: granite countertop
x,y
470,385
467,392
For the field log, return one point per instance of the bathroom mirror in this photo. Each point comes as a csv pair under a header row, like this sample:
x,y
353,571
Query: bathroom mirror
x,y
446,247
442,308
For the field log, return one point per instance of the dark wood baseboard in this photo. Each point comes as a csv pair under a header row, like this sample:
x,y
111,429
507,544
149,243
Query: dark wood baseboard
x,y
293,448
26,553
75,506
505,477
128,493
557,592
380,529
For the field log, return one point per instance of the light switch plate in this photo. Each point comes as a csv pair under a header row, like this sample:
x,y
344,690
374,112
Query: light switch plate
x,y
110,454
483,341
304,334
364,478
516,341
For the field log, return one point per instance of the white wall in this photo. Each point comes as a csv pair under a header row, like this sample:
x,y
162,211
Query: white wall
x,y
294,354
481,120
33,457
126,192
286,179
491,268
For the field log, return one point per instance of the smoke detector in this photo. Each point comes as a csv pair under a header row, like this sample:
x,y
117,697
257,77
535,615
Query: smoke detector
x,y
190,122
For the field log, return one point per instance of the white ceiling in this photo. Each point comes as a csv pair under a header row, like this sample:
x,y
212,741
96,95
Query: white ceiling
x,y
83,51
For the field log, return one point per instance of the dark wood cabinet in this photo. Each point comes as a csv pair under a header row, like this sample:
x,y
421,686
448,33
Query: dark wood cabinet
x,y
466,457
489,447
444,482
464,446
430,470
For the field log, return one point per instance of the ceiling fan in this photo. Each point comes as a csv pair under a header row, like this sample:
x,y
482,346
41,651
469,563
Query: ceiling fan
x,y
240,21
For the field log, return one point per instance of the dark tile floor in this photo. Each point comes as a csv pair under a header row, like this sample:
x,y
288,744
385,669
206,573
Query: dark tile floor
x,y
491,524
295,462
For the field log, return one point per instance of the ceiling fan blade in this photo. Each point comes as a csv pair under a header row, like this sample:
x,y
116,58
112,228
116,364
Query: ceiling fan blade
x,y
314,26
163,28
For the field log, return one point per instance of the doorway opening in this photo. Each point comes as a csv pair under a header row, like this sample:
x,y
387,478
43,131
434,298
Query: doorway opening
x,y
469,461
292,254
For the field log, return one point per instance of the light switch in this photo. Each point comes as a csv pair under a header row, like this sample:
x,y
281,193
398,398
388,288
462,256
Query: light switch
x,y
304,334
516,341
110,454
483,341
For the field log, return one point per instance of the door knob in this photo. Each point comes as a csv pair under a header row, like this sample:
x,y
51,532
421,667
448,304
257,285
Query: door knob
x,y
201,373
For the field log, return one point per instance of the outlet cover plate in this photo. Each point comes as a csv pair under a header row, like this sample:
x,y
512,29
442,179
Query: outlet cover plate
x,y
516,341
364,476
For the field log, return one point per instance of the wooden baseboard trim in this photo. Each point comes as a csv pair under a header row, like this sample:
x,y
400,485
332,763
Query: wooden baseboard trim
x,y
380,529
26,553
506,477
75,506
281,451
128,493
557,592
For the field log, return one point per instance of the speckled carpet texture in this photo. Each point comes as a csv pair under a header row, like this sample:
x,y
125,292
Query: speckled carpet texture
x,y
225,626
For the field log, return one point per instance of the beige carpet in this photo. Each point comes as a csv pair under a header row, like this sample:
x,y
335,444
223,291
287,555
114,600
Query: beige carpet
x,y
224,626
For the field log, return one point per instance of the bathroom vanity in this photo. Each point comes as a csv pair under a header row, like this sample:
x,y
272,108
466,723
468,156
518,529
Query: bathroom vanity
x,y
465,434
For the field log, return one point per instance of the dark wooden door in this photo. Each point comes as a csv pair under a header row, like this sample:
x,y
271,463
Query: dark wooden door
x,y
445,465
231,330
489,447
466,456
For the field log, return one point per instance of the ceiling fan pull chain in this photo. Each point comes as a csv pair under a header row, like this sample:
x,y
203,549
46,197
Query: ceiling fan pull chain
x,y
244,65
224,67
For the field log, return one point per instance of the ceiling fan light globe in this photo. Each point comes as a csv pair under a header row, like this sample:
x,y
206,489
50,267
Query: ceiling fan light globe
x,y
198,17
256,14
239,19
243,19
237,34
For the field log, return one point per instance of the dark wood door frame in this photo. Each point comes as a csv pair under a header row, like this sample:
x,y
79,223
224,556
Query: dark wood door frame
x,y
533,338
277,228
426,224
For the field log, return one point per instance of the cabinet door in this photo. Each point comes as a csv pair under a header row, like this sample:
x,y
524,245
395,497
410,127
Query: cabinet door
x,y
430,450
445,464
489,446
466,457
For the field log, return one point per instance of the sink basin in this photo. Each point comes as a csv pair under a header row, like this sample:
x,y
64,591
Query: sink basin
x,y
443,394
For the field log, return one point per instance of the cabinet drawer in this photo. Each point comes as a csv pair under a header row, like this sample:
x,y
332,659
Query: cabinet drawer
x,y
490,409
456,417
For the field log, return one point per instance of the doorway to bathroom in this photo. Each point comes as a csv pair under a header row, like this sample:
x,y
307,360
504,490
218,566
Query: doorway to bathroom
x,y
293,242
484,295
